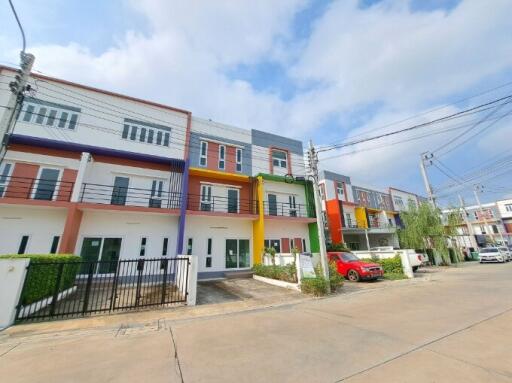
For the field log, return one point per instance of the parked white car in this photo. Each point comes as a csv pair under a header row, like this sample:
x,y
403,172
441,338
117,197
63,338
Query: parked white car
x,y
491,254
382,252
506,253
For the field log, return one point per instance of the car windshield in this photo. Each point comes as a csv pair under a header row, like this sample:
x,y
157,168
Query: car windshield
x,y
489,250
349,257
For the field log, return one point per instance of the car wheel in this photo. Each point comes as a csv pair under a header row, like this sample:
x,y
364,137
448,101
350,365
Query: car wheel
x,y
353,276
415,268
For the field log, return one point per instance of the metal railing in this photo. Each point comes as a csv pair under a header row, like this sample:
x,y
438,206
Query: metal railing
x,y
127,196
285,209
73,289
35,188
222,204
348,223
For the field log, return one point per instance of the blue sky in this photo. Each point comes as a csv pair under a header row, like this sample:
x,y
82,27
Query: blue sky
x,y
325,70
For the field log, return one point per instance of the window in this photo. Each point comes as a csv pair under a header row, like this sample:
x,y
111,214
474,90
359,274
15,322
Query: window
x,y
41,115
51,117
143,243
151,133
206,198
495,229
399,202
5,172
275,243
508,207
28,113
167,137
203,153
209,253
46,184
304,249
222,157
142,137
159,138
72,121
63,119
475,214
322,192
133,134
23,244
164,246
189,246
482,229
279,159
126,129
293,206
55,244
340,190
157,187
238,159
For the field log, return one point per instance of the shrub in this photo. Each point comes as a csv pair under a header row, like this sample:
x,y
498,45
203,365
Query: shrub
x,y
335,278
337,247
392,266
41,281
286,273
315,286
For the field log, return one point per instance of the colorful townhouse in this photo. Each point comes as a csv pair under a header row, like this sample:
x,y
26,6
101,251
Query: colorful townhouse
x,y
107,176
361,218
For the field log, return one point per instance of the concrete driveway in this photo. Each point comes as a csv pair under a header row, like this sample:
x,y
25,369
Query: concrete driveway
x,y
454,326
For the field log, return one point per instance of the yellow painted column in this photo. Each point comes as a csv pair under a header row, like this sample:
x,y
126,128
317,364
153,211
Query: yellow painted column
x,y
361,220
258,226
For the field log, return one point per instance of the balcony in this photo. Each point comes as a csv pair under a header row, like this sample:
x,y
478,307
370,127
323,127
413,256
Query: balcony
x,y
127,196
285,209
350,224
222,205
39,189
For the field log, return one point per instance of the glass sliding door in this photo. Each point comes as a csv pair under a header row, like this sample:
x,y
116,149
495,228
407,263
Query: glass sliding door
x,y
110,255
232,200
90,252
238,254
120,191
47,184
96,249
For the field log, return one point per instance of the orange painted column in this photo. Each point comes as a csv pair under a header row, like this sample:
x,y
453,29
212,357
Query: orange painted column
x,y
71,230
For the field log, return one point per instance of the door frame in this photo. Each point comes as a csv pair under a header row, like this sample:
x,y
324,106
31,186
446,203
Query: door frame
x,y
82,237
38,179
238,253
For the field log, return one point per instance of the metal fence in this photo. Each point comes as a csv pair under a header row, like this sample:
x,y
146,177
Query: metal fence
x,y
72,289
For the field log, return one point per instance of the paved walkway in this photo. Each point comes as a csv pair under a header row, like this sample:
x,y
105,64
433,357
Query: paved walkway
x,y
454,326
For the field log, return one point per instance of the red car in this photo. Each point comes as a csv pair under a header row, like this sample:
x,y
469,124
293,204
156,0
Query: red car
x,y
353,268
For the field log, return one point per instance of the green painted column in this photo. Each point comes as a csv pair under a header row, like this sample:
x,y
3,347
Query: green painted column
x,y
314,243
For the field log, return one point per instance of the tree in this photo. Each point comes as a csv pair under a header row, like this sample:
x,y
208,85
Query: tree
x,y
424,229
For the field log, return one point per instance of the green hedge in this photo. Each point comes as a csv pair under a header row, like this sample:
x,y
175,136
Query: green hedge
x,y
315,286
286,273
392,266
41,281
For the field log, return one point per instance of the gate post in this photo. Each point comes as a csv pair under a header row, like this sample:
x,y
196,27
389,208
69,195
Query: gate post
x,y
12,279
191,281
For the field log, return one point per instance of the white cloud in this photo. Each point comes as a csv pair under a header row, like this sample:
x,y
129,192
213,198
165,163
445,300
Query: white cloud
x,y
384,55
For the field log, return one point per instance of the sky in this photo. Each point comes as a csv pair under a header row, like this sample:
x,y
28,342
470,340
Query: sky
x,y
329,71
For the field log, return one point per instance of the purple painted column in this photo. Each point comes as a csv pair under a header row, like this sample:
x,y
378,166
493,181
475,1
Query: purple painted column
x,y
183,210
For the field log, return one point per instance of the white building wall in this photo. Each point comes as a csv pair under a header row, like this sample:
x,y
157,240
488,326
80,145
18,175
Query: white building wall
x,y
282,191
41,224
404,196
131,227
200,228
277,229
260,160
212,128
42,160
101,119
502,206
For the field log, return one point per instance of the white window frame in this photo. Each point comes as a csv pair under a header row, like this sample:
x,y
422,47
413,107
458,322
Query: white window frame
x,y
280,160
27,246
7,176
339,187
162,196
57,186
203,198
144,247
237,198
292,208
238,162
222,157
508,207
205,155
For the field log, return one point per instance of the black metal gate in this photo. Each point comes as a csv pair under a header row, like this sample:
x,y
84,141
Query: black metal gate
x,y
73,289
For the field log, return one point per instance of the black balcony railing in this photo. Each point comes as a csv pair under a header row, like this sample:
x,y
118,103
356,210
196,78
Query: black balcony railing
x,y
285,209
222,204
126,196
350,224
35,188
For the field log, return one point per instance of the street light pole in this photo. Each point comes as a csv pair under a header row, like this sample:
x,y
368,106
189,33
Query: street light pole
x,y
313,166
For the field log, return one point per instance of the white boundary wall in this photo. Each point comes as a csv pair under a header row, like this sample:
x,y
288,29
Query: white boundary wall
x,y
12,276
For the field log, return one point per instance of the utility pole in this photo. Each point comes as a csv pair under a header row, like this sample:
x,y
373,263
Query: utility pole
x,y
15,101
476,190
313,165
471,230
428,187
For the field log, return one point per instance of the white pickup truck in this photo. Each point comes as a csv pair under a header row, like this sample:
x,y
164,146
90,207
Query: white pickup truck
x,y
383,252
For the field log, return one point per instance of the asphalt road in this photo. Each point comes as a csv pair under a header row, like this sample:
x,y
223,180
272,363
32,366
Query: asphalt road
x,y
450,326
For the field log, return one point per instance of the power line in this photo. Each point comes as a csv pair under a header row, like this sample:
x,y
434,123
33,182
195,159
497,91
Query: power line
x,y
418,126
19,25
